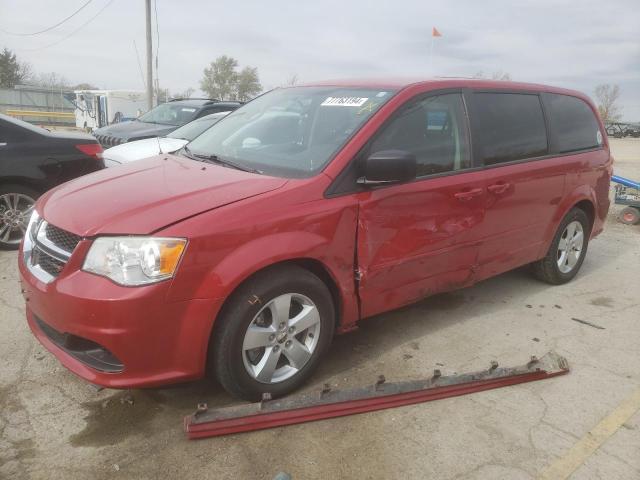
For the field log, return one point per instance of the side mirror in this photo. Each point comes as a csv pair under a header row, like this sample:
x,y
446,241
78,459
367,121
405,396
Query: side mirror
x,y
389,166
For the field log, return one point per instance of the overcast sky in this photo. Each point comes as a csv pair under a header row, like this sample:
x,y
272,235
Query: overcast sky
x,y
571,43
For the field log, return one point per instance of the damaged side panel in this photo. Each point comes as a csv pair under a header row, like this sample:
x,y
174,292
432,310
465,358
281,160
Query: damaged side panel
x,y
417,239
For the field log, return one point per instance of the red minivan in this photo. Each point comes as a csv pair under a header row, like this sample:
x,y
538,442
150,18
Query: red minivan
x,y
300,214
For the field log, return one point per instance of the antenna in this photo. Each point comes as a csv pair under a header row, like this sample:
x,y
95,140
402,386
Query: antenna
x,y
160,152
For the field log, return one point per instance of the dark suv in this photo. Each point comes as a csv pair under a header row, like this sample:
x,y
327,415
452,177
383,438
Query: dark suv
x,y
161,120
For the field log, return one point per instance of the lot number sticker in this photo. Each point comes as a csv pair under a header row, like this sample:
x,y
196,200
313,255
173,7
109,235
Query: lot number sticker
x,y
344,102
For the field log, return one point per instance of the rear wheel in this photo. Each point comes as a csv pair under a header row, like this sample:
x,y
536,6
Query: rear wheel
x,y
630,215
567,250
16,205
271,335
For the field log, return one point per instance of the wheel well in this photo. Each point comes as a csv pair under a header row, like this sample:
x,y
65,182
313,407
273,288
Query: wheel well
x,y
587,207
21,182
314,266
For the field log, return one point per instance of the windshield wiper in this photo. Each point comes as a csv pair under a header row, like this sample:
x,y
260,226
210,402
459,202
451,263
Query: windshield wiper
x,y
219,161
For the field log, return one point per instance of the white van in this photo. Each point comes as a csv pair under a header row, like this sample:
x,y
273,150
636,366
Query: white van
x,y
99,108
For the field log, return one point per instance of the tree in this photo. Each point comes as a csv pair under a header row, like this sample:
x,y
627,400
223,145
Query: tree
x,y
220,79
607,98
185,93
12,72
497,75
161,94
248,84
292,80
50,81
85,86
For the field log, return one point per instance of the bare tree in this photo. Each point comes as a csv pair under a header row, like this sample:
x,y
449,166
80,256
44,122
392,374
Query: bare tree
x,y
185,93
85,86
496,75
292,81
50,81
500,75
162,94
607,98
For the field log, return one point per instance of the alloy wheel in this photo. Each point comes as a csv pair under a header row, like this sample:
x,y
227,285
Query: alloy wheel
x,y
570,246
15,210
281,338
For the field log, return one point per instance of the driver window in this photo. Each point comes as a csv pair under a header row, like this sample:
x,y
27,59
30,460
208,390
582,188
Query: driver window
x,y
434,129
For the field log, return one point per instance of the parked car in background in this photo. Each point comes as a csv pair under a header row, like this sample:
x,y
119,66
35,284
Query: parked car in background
x,y
33,160
304,212
621,130
129,152
161,120
632,130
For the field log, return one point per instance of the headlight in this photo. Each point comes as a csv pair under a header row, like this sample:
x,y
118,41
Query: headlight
x,y
134,261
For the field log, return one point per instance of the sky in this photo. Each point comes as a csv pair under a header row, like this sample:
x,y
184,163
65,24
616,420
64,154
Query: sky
x,y
569,43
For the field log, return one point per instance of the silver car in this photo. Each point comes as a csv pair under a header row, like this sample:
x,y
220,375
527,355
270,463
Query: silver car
x,y
148,147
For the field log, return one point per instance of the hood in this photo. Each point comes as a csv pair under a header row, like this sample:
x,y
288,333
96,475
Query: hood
x,y
145,196
128,152
135,129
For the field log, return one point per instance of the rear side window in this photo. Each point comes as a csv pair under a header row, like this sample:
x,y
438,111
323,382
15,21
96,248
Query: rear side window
x,y
572,124
508,127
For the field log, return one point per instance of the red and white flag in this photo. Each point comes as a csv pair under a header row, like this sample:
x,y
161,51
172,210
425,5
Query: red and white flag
x,y
435,32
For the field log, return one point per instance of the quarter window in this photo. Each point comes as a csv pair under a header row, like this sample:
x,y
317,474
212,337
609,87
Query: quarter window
x,y
572,123
508,127
434,130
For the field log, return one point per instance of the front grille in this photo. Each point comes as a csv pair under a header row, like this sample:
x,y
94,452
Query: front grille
x,y
62,239
47,250
108,141
46,262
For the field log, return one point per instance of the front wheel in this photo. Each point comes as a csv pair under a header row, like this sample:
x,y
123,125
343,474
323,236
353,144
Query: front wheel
x,y
567,251
270,336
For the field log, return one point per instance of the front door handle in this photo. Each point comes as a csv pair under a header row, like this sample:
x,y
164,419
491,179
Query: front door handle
x,y
465,195
3,144
498,188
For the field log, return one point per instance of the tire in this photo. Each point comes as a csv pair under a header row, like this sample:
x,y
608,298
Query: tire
x,y
14,217
549,269
243,371
630,215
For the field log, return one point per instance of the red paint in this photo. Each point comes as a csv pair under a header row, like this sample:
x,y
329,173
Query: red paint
x,y
310,414
407,241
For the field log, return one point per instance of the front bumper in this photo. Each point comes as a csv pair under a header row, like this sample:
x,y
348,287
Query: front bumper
x,y
155,342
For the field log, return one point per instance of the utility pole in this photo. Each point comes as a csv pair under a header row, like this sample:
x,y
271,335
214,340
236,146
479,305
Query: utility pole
x,y
149,55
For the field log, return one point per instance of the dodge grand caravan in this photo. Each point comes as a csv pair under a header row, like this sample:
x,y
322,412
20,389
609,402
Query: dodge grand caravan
x,y
300,214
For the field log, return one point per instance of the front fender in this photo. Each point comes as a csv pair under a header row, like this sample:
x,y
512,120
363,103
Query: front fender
x,y
216,264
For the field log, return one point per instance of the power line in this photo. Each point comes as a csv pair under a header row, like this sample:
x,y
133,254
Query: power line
x,y
139,64
74,32
51,27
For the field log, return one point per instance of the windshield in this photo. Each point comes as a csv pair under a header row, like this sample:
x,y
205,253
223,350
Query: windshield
x,y
192,129
291,132
169,114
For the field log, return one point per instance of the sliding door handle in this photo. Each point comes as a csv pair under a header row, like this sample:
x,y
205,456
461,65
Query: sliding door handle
x,y
465,195
498,188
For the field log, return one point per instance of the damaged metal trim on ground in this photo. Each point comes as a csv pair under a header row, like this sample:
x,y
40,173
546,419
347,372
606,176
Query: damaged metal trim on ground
x,y
330,403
